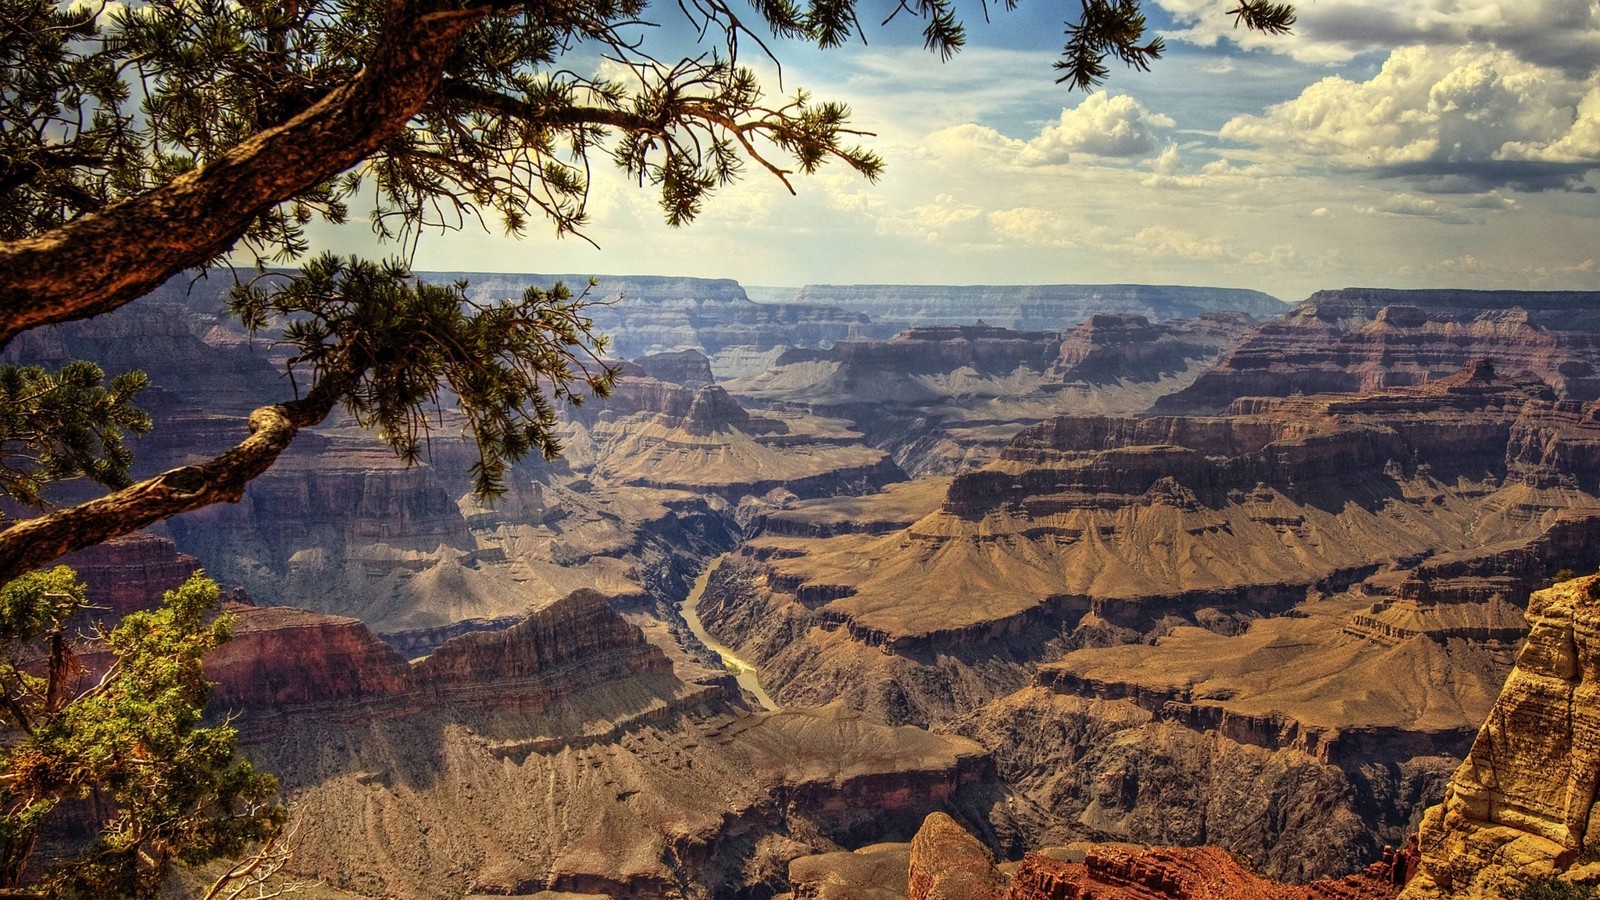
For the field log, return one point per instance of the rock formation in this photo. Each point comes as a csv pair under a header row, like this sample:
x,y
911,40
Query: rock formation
x,y
1315,596
689,368
1363,339
647,314
573,751
942,398
947,862
129,573
1033,307
1523,804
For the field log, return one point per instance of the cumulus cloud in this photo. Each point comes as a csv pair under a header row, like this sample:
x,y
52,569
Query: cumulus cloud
x,y
1164,240
1100,125
1564,34
1419,207
1036,227
1463,120
968,143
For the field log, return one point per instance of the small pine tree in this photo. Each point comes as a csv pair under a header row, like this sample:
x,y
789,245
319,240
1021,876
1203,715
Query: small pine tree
x,y
167,789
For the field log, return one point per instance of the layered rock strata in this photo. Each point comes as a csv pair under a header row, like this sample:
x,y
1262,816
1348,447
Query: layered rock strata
x,y
1365,339
572,752
1033,307
129,573
646,314
940,398
1522,806
1303,665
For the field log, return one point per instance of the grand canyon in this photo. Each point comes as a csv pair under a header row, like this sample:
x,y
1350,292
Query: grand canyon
x,y
1078,591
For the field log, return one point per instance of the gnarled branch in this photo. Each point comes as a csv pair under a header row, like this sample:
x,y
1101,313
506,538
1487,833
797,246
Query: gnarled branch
x,y
29,544
105,259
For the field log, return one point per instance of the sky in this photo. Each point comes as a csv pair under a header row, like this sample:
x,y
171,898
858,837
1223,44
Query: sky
x,y
1394,143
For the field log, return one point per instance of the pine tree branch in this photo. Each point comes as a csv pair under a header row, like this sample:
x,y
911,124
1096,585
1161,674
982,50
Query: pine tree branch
x,y
29,544
105,259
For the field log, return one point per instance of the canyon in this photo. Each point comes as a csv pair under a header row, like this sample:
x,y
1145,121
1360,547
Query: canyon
x,y
1105,587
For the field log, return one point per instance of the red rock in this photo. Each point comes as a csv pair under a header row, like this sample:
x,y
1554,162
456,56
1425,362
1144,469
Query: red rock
x,y
130,573
1178,873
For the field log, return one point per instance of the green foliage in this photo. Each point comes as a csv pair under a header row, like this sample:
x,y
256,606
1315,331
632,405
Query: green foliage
x,y
1116,28
104,102
390,345
167,789
65,424
1553,888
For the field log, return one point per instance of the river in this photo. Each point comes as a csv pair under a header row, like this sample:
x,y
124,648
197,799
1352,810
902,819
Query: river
x,y
742,671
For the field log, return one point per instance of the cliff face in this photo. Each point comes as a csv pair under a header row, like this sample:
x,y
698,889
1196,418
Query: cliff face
x,y
1033,307
647,314
280,656
1110,348
689,368
1273,631
940,398
130,572
1523,804
1359,340
575,751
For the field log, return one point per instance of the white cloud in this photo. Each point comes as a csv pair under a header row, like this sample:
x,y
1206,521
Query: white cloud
x,y
1559,33
1039,227
1419,207
968,143
1464,120
1170,162
1163,240
1101,125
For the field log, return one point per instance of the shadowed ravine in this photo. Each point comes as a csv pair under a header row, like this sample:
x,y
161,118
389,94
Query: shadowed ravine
x,y
742,671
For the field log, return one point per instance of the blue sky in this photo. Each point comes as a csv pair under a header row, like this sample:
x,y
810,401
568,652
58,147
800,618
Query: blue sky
x,y
1402,143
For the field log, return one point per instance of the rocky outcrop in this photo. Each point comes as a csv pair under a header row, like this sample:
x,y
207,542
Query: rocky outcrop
x,y
1033,307
716,447
941,397
947,863
129,573
1173,873
572,645
1360,340
873,872
1109,348
1523,804
285,657
689,368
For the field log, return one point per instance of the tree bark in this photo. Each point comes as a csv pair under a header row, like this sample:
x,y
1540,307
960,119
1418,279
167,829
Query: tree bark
x,y
105,259
30,544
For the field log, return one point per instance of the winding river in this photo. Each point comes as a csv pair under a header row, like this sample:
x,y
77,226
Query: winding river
x,y
742,671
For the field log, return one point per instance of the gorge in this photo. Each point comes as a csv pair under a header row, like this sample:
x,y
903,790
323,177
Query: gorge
x,y
830,589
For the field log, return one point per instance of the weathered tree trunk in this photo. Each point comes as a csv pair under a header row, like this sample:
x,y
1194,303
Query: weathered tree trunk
x,y
32,543
102,260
